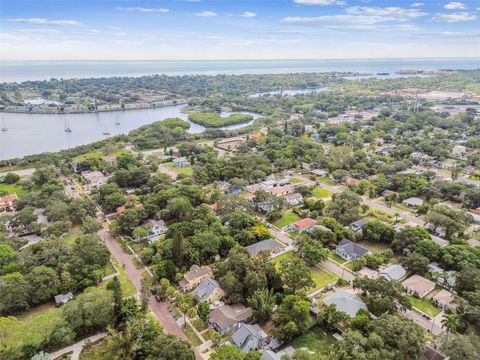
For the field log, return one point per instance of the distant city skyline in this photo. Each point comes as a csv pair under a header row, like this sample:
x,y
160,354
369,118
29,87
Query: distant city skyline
x,y
237,30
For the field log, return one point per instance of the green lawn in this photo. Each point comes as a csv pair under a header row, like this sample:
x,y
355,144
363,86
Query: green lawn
x,y
336,258
279,259
316,340
374,247
424,305
321,193
295,181
287,218
31,327
199,324
127,286
12,188
322,278
326,180
180,171
192,338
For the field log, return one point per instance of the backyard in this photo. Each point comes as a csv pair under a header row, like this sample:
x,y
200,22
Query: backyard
x,y
321,193
287,218
180,170
12,188
316,340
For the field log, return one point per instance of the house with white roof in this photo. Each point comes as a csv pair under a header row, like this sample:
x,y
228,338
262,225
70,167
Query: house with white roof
x,y
393,273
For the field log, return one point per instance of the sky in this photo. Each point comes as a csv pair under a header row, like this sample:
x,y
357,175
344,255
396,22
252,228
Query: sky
x,y
230,29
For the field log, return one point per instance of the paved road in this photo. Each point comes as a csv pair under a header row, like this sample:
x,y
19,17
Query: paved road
x,y
160,310
24,172
434,326
163,169
337,270
76,348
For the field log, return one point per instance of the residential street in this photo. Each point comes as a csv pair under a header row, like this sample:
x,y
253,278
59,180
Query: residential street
x,y
160,310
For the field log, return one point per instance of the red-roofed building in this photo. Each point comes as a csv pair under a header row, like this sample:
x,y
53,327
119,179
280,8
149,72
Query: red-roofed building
x,y
301,225
7,202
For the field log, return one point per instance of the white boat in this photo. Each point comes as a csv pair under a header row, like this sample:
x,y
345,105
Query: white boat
x,y
67,127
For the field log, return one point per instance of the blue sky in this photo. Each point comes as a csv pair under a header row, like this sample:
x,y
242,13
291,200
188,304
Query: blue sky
x,y
229,29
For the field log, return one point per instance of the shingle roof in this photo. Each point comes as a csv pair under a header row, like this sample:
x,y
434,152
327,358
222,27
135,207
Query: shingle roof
x,y
393,272
268,244
247,337
346,302
304,223
206,287
352,248
228,315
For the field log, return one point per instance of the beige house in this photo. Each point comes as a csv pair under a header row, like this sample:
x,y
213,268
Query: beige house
x,y
445,300
228,318
193,277
208,291
418,285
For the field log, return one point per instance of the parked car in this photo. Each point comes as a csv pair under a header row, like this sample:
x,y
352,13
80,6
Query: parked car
x,y
158,298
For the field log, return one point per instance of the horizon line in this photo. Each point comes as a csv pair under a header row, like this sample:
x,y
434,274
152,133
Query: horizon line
x,y
266,59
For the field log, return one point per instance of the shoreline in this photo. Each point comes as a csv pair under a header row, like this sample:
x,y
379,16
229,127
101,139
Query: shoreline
x,y
151,106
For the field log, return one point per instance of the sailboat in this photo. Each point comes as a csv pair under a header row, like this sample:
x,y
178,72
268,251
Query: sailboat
x,y
67,127
4,129
106,133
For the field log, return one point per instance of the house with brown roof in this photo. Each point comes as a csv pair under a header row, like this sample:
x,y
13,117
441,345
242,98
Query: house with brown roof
x,y
445,300
418,285
193,277
228,318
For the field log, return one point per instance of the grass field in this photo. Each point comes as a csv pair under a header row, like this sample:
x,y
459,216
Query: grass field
x,y
424,305
31,327
336,258
321,278
316,340
279,259
287,218
374,247
199,324
12,188
98,154
321,193
180,171
127,286
191,336
326,180
295,181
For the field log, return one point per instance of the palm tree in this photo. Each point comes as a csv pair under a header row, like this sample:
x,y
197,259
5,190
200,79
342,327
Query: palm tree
x,y
450,322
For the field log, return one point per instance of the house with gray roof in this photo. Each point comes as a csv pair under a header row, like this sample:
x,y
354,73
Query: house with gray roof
x,y
270,355
269,244
208,290
249,337
358,225
439,241
413,202
63,298
393,273
349,250
347,302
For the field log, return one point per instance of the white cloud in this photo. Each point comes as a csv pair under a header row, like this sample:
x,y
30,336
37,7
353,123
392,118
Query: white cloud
x,y
206,13
248,14
454,5
387,11
455,17
320,2
41,21
143,10
337,21
417,4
